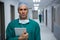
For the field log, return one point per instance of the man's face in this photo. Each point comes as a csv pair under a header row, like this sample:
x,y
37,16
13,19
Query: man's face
x,y
23,11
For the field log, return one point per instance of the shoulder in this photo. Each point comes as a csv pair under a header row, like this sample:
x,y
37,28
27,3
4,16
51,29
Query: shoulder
x,y
13,22
36,25
34,22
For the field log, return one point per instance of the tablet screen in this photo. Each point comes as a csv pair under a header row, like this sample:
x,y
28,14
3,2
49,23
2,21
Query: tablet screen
x,y
19,31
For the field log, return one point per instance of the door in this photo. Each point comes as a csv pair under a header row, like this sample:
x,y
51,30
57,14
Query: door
x,y
53,18
46,17
2,22
12,12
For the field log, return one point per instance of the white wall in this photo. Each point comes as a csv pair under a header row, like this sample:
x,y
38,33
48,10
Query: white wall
x,y
57,14
49,17
57,22
45,16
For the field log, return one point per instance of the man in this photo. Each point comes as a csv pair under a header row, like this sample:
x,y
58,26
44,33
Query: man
x,y
32,27
40,18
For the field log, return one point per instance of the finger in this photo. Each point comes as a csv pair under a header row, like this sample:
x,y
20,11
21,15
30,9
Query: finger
x,y
26,35
25,31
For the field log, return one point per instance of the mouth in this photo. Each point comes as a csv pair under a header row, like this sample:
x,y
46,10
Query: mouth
x,y
23,14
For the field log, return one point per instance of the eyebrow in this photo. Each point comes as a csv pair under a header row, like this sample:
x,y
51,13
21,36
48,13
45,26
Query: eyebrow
x,y
24,9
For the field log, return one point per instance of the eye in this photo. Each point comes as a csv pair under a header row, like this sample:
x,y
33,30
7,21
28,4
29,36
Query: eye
x,y
21,9
25,9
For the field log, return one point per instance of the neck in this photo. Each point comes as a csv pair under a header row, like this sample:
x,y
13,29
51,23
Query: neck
x,y
23,18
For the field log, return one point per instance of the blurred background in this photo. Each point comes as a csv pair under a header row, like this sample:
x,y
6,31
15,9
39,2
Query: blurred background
x,y
45,12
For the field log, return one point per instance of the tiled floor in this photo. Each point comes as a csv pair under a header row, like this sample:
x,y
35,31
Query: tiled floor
x,y
46,34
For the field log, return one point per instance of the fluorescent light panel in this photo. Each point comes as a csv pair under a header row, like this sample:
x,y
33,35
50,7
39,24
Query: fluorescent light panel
x,y
36,0
36,4
33,0
35,8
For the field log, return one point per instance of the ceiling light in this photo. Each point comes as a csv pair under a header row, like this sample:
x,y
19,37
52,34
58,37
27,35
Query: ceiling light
x,y
36,4
35,8
36,0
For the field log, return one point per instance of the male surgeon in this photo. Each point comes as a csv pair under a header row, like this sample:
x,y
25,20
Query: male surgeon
x,y
32,31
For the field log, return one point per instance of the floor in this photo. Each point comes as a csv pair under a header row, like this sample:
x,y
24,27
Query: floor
x,y
46,34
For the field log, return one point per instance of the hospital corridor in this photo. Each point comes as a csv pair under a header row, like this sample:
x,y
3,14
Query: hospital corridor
x,y
46,34
45,12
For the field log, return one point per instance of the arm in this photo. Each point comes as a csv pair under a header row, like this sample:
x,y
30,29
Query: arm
x,y
10,35
37,32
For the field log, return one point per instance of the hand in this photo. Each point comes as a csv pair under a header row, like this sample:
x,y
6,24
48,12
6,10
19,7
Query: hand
x,y
23,36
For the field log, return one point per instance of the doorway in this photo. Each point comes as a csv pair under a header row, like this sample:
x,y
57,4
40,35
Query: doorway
x,y
12,12
53,18
46,17
2,21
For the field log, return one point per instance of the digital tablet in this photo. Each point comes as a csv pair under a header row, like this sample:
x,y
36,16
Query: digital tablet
x,y
19,31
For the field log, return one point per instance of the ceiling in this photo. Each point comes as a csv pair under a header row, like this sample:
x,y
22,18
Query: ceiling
x,y
42,4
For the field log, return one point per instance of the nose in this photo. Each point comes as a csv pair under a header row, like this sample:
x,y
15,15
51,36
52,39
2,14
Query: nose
x,y
23,11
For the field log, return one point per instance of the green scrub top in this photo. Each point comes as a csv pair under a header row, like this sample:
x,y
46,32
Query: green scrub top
x,y
32,28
